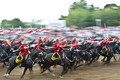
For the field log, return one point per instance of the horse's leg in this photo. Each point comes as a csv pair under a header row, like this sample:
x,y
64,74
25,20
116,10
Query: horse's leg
x,y
51,72
93,58
4,64
25,69
31,73
108,60
11,67
104,58
96,59
114,58
40,66
43,70
65,70
76,65
54,66
70,67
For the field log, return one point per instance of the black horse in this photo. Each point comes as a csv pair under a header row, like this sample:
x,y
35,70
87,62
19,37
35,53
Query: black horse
x,y
107,52
4,56
28,63
48,62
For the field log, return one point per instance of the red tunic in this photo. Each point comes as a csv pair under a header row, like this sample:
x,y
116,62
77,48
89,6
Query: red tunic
x,y
55,45
6,44
24,51
44,41
76,46
73,42
12,42
109,39
116,40
63,45
20,41
39,39
103,43
38,47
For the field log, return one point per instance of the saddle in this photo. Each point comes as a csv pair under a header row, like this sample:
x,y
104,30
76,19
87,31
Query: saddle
x,y
20,58
57,57
107,49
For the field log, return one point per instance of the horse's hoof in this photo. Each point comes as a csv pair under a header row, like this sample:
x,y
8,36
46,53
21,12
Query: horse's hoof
x,y
52,74
61,76
6,75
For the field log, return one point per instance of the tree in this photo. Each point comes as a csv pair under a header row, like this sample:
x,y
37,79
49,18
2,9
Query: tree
x,y
17,22
80,18
62,17
5,23
83,15
77,5
111,6
14,22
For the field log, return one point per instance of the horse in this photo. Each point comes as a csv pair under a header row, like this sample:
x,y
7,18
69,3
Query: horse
x,y
108,53
94,53
72,56
48,62
28,63
4,56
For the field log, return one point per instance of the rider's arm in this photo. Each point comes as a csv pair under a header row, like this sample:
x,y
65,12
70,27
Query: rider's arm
x,y
54,47
21,48
35,46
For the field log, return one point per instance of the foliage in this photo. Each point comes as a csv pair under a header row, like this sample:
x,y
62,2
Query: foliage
x,y
16,23
83,15
12,23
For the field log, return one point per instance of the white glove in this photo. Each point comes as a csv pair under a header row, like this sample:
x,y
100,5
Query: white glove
x,y
25,47
13,50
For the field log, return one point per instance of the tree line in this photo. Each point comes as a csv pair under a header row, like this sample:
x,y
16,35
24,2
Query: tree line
x,y
16,22
83,15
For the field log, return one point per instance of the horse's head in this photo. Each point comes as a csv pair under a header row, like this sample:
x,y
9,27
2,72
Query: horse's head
x,y
76,54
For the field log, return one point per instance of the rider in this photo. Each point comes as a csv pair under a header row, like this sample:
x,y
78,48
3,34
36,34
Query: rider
x,y
44,40
63,44
61,40
41,49
73,41
24,51
110,38
74,44
89,40
58,50
12,42
116,39
103,42
6,43
39,39
20,40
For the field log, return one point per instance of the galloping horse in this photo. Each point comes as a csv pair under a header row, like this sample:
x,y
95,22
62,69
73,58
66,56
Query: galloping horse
x,y
48,62
28,63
